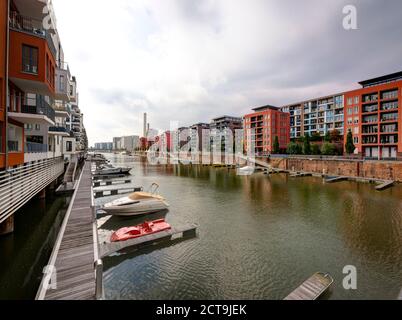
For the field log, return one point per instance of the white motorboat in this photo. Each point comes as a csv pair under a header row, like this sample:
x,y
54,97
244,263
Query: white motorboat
x,y
110,170
245,171
137,203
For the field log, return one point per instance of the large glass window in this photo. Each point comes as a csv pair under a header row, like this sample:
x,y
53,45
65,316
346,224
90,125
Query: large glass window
x,y
29,59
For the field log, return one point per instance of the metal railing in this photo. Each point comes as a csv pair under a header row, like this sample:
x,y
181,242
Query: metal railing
x,y
41,107
19,185
32,26
58,129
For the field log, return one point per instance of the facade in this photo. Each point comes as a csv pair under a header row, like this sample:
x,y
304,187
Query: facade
x,y
223,129
318,115
116,143
374,116
38,98
130,143
108,146
199,141
262,126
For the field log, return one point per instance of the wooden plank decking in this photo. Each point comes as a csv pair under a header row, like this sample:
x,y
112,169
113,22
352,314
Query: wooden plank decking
x,y
312,288
76,248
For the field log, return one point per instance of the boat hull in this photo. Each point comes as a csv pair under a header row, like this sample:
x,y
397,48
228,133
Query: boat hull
x,y
145,207
147,228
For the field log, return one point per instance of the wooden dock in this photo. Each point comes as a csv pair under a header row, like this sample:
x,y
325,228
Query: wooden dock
x,y
335,179
385,185
72,273
312,288
115,192
107,249
110,182
300,174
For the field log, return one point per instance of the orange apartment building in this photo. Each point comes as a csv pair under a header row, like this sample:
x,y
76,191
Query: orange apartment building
x,y
262,126
373,114
3,63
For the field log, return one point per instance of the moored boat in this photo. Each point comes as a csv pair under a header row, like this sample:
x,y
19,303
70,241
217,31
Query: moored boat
x,y
140,230
137,203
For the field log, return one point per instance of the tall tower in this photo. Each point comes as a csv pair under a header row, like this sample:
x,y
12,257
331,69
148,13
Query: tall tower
x,y
145,125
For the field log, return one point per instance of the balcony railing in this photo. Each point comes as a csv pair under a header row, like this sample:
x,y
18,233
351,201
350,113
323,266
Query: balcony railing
x,y
58,129
32,26
41,107
32,147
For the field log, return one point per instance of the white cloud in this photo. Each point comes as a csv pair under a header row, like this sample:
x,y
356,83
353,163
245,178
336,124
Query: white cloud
x,y
194,60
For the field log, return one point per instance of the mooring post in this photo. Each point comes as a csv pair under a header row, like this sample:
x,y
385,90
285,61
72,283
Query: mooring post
x,y
99,279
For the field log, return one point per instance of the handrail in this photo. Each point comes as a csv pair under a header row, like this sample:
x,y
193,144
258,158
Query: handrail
x,y
19,185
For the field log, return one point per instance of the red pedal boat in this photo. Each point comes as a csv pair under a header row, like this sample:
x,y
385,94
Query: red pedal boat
x,y
141,230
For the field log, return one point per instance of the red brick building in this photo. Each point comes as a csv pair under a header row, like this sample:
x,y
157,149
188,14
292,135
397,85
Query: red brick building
x,y
262,126
373,114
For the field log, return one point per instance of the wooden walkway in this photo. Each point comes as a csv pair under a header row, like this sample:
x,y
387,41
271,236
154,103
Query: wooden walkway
x,y
312,288
76,249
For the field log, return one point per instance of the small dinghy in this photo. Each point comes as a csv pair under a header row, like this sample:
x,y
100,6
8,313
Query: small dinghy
x,y
137,203
140,230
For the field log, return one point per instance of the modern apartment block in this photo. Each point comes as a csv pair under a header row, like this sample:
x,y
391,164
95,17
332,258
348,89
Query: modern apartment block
x,y
107,146
199,141
262,126
38,98
374,116
318,115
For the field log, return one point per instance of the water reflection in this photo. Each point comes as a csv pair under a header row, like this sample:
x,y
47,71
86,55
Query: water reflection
x,y
260,236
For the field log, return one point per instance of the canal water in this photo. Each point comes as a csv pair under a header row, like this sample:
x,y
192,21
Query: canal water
x,y
25,253
260,236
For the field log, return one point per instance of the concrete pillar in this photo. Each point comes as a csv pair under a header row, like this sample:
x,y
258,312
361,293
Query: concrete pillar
x,y
7,226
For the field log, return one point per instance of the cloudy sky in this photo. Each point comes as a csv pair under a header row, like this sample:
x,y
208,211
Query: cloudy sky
x,y
192,60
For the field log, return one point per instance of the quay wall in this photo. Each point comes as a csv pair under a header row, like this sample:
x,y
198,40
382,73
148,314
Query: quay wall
x,y
382,170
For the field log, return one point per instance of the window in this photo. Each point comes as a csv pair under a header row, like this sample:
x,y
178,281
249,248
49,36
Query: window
x,y
69,146
356,109
61,83
356,99
350,121
355,140
28,127
356,120
29,59
350,101
350,111
37,127
356,130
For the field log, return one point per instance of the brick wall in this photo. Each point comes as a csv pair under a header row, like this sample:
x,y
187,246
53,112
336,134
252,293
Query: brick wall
x,y
365,169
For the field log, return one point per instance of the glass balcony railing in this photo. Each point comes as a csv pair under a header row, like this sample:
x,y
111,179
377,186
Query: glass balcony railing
x,y
32,147
39,106
32,26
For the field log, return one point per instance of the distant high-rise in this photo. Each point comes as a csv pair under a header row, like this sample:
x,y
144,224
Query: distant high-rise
x,y
145,125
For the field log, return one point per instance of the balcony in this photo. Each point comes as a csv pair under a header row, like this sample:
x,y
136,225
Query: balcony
x,y
370,108
63,76
34,110
32,147
59,131
33,27
32,67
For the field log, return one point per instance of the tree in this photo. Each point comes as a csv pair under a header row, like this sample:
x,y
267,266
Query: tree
x,y
307,145
327,137
315,149
316,136
328,149
349,146
335,135
276,148
294,148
